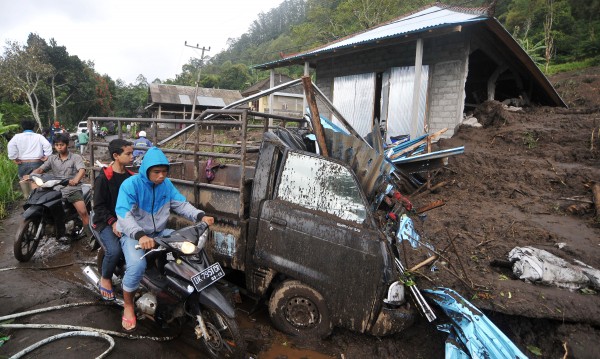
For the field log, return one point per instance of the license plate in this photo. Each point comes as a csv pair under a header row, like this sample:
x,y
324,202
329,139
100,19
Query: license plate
x,y
207,277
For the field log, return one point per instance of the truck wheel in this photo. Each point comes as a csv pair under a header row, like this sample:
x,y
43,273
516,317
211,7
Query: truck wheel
x,y
25,242
298,309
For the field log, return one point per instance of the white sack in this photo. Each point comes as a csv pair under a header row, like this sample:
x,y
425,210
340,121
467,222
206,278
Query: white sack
x,y
539,266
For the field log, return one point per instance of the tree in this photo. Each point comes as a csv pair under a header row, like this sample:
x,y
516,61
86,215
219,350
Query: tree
x,y
234,77
548,36
129,100
23,72
6,128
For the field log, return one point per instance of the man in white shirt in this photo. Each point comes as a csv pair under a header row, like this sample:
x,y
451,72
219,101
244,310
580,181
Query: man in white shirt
x,y
28,149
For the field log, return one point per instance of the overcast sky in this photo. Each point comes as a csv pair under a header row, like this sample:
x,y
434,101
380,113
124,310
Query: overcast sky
x,y
125,38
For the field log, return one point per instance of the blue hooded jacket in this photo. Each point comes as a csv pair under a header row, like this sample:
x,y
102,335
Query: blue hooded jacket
x,y
143,207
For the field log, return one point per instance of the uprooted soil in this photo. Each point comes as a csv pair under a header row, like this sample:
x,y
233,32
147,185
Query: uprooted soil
x,y
524,180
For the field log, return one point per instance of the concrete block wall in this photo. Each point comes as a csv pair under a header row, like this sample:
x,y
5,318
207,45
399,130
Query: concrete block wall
x,y
446,55
446,96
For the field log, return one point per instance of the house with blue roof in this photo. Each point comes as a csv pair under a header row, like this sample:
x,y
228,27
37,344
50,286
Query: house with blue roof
x,y
460,58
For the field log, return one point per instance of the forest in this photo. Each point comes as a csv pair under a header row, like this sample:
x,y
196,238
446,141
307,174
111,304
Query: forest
x,y
41,80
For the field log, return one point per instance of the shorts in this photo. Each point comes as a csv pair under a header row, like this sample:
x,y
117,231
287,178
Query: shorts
x,y
75,196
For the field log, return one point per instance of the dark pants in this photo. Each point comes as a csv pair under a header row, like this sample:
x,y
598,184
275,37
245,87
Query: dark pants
x,y
112,251
26,168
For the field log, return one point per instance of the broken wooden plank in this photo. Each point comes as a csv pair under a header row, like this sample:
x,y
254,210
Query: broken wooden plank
x,y
314,115
432,205
596,193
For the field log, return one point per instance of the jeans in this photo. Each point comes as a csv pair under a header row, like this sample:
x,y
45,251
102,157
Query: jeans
x,y
112,251
26,168
135,265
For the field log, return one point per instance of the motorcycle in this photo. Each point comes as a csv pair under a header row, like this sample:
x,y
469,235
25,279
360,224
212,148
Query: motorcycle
x,y
178,285
46,213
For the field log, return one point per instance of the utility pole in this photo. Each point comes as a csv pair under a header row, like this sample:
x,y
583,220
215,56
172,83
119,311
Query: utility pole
x,y
199,71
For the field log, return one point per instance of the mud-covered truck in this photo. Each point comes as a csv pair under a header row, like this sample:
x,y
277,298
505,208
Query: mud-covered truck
x,y
299,227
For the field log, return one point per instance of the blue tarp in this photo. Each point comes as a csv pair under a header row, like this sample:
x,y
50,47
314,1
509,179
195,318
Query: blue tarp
x,y
473,333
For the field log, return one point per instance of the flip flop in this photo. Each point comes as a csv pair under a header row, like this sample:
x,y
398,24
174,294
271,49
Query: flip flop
x,y
110,297
129,321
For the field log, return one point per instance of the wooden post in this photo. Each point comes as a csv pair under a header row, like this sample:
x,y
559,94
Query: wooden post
x,y
596,196
416,88
271,98
306,73
315,118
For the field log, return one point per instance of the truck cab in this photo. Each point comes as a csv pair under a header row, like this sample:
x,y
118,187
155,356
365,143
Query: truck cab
x,y
316,245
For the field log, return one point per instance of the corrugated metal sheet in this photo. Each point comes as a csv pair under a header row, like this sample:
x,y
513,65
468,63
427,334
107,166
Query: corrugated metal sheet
x,y
399,111
354,97
431,17
371,168
182,95
210,101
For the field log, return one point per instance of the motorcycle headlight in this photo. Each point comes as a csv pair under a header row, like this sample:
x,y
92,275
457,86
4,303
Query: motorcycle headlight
x,y
185,247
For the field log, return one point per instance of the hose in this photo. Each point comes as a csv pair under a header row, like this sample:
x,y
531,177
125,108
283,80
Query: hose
x,y
47,309
78,331
72,327
33,347
46,268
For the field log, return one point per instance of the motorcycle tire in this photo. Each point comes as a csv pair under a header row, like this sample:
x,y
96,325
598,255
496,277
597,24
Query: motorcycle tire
x,y
224,337
25,241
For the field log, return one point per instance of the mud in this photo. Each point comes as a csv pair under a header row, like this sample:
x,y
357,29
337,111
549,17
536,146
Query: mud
x,y
512,187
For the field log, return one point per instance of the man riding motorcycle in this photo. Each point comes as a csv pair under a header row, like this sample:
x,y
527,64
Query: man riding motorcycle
x,y
143,207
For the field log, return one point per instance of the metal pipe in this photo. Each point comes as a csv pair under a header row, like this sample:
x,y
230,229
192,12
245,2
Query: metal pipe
x,y
240,102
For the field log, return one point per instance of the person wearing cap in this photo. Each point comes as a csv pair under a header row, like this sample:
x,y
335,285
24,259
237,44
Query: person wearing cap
x,y
142,141
28,149
143,207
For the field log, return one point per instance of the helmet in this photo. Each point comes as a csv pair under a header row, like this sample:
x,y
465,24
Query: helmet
x,y
142,134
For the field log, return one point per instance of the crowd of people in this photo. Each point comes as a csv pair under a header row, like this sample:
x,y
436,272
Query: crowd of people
x,y
129,209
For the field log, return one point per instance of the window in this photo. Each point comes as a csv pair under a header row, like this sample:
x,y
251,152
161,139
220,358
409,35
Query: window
x,y
321,185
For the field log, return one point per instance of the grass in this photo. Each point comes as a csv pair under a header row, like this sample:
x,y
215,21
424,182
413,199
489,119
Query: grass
x,y
530,140
572,66
7,182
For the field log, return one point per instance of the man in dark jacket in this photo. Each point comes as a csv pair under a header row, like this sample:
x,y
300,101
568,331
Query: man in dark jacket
x,y
106,190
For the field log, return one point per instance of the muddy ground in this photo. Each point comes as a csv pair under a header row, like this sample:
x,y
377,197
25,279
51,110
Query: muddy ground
x,y
514,186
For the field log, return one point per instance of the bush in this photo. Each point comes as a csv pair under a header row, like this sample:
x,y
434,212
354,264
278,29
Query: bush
x,y
7,181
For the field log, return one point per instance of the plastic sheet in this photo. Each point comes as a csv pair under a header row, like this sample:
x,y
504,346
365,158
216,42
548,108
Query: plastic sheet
x,y
472,334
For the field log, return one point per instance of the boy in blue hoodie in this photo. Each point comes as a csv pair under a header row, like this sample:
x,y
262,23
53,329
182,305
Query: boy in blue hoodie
x,y
143,207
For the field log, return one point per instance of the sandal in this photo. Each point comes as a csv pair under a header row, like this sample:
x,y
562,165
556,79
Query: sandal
x,y
109,297
130,322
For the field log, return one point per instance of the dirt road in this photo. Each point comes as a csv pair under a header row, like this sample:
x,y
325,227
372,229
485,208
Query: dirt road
x,y
53,277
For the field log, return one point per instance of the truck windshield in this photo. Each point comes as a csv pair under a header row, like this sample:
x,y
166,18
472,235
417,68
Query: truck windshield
x,y
321,185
